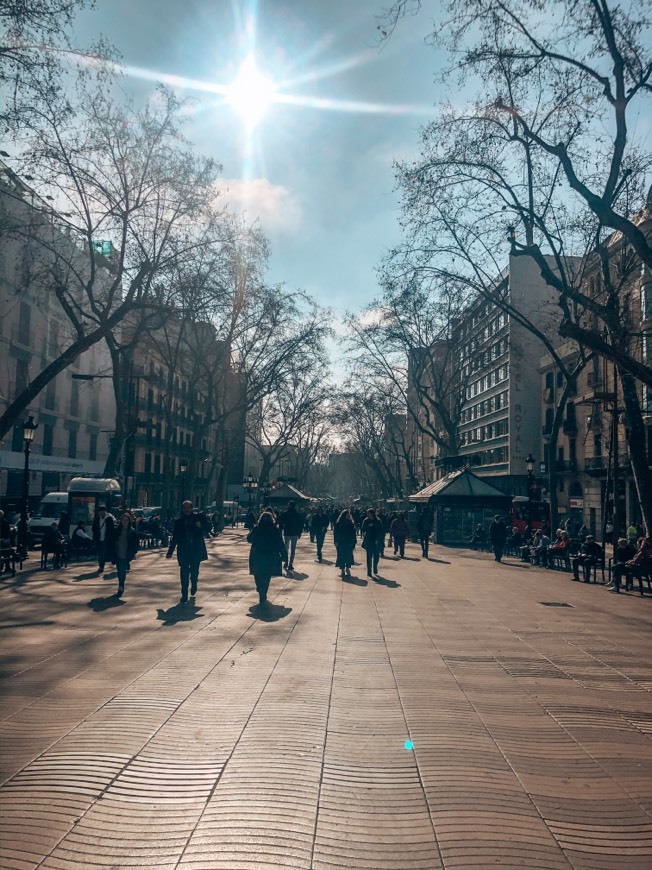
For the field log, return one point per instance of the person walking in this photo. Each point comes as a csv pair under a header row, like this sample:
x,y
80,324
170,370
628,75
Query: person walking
x,y
267,553
372,532
103,532
318,528
346,538
188,540
291,524
124,546
424,528
498,536
399,531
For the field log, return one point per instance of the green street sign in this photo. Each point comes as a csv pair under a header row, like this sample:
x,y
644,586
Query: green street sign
x,y
103,248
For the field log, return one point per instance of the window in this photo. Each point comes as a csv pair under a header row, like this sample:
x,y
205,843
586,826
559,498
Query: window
x,y
24,323
157,464
48,439
22,376
597,445
17,439
53,340
74,399
72,444
92,448
571,448
560,380
148,463
50,396
95,405
549,380
560,454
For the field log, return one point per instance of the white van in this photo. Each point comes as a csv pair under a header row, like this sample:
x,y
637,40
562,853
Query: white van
x,y
52,506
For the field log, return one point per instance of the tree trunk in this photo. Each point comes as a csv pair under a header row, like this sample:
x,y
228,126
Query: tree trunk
x,y
552,457
637,447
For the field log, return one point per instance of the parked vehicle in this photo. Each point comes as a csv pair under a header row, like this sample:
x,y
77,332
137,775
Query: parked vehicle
x,y
86,494
52,506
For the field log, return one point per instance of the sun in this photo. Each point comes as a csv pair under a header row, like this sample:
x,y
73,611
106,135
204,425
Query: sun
x,y
251,93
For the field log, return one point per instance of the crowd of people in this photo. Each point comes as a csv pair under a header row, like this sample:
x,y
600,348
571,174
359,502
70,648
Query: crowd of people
x,y
274,536
632,558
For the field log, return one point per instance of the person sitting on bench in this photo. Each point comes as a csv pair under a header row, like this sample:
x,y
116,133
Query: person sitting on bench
x,y
588,557
51,543
624,553
641,564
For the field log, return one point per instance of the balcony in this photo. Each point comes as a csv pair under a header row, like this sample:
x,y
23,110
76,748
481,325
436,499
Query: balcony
x,y
566,465
595,464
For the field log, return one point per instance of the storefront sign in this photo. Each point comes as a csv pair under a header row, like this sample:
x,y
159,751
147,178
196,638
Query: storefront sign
x,y
37,462
576,502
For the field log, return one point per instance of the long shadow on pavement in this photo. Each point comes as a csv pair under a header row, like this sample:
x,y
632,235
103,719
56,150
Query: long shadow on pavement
x,y
97,605
440,561
92,575
517,565
355,581
268,612
297,575
383,581
179,613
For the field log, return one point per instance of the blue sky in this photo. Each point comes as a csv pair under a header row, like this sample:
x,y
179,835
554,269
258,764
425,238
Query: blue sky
x,y
321,180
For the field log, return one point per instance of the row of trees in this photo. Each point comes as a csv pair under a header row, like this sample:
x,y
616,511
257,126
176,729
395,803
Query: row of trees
x,y
541,161
128,243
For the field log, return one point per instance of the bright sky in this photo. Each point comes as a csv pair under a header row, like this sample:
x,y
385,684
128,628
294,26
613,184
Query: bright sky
x,y
317,167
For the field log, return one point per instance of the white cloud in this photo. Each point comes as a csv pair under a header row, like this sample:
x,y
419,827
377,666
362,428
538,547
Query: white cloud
x,y
277,208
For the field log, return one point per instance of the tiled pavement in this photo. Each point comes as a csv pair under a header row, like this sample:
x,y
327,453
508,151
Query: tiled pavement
x,y
142,734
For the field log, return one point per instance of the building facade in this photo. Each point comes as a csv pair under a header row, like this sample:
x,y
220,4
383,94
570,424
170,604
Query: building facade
x,y
75,418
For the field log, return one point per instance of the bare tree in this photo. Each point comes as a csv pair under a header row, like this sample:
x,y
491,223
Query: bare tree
x,y
129,193
544,153
404,340
33,34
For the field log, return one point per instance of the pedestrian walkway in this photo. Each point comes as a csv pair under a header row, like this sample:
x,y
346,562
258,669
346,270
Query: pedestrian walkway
x,y
454,713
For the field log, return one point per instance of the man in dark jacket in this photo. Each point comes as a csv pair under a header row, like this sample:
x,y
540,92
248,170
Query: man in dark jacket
x,y
590,554
291,524
318,528
498,536
424,528
188,540
103,533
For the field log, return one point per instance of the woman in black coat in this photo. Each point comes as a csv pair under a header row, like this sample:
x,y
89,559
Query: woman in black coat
x,y
267,553
372,536
345,537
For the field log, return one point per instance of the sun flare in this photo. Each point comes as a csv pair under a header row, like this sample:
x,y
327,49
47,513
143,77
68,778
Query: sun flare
x,y
251,93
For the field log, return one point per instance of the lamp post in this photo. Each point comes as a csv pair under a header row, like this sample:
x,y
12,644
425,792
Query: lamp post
x,y
183,468
250,483
529,464
29,428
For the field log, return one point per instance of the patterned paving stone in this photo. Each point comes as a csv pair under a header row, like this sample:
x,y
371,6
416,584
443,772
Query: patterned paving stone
x,y
438,718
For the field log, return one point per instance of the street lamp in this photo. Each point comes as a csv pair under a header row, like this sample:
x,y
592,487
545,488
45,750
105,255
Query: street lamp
x,y
529,464
250,484
183,468
29,428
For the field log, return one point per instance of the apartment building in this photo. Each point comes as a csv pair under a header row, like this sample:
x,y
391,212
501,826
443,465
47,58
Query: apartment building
x,y
188,425
75,418
498,362
591,449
